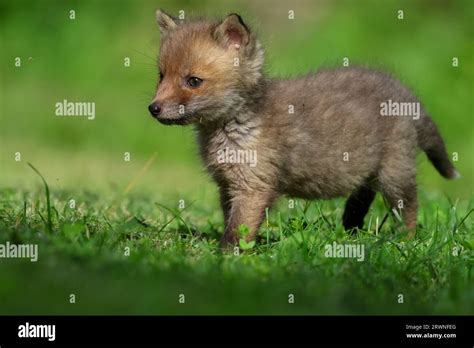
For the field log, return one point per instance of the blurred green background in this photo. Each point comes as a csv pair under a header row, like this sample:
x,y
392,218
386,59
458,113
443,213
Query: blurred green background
x,y
83,60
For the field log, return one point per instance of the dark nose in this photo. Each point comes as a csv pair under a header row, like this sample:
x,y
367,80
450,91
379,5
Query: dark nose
x,y
154,108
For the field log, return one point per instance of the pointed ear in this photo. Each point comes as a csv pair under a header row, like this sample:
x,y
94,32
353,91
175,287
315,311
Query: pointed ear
x,y
165,21
232,33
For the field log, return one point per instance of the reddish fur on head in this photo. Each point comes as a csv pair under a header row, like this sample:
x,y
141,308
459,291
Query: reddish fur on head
x,y
224,55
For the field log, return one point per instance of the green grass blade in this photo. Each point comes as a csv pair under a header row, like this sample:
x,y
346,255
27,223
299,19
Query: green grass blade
x,y
49,223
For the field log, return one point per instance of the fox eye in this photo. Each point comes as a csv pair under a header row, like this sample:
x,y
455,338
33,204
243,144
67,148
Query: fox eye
x,y
161,76
194,82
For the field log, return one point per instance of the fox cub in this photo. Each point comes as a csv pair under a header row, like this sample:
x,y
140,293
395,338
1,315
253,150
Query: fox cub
x,y
346,131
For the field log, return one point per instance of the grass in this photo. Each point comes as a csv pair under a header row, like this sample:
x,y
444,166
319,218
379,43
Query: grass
x,y
130,254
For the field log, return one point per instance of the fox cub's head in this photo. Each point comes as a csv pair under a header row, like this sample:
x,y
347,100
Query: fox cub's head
x,y
207,69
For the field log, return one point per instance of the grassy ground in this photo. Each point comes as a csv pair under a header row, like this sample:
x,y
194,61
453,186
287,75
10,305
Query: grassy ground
x,y
119,204
173,252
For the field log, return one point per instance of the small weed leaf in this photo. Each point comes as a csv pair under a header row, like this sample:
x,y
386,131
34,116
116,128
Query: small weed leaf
x,y
246,245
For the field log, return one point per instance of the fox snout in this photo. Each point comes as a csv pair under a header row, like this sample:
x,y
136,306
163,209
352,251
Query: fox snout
x,y
168,114
163,99
154,109
170,103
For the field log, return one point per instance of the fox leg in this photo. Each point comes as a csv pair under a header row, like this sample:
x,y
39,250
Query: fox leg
x,y
400,193
226,203
405,205
357,207
245,208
